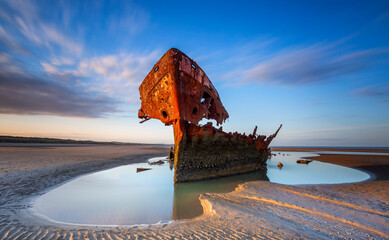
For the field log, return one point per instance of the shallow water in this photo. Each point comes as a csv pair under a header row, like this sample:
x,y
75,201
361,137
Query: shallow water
x,y
315,172
353,153
121,196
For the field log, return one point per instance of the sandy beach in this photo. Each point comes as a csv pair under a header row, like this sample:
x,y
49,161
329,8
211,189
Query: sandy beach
x,y
255,210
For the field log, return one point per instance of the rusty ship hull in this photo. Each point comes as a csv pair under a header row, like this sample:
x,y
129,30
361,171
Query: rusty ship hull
x,y
178,92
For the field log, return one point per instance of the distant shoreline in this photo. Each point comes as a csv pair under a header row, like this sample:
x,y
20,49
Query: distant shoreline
x,y
6,140
15,141
326,149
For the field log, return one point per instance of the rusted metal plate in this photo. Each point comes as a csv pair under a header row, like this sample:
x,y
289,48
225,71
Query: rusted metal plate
x,y
177,88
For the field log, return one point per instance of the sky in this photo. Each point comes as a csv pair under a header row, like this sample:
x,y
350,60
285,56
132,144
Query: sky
x,y
71,69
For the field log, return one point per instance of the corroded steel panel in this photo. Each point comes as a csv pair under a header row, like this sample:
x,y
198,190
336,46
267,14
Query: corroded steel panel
x,y
177,88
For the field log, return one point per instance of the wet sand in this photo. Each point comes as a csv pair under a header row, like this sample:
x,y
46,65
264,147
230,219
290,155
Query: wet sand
x,y
256,210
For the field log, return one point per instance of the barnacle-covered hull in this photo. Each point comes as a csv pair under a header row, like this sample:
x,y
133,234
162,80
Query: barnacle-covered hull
x,y
179,93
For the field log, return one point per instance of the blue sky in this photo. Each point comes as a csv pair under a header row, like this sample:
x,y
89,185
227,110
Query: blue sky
x,y
71,69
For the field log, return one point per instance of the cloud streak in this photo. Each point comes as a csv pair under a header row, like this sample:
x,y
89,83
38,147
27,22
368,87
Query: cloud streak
x,y
22,23
45,68
376,91
23,94
117,75
316,63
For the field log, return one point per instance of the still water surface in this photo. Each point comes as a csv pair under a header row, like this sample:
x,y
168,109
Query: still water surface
x,y
121,196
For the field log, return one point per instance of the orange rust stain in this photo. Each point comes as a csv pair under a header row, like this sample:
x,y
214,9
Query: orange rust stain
x,y
177,88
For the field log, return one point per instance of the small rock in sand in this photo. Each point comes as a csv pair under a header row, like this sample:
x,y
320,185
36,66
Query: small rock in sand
x,y
303,161
141,169
157,162
171,155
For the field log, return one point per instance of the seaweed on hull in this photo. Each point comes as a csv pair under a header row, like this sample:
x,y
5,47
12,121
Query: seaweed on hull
x,y
178,92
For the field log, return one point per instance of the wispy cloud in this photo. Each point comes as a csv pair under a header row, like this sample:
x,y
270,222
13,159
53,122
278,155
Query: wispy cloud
x,y
4,58
49,68
301,65
4,35
11,43
43,34
25,8
378,90
26,94
60,61
117,75
119,67
53,36
129,20
24,20
61,76
7,64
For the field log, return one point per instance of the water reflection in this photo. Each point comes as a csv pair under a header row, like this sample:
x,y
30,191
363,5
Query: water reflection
x,y
186,195
120,196
315,172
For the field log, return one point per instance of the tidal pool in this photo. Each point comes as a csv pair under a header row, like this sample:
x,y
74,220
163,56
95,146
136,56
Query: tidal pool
x,y
121,196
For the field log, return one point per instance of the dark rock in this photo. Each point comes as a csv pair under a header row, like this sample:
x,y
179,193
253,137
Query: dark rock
x,y
141,169
303,161
280,165
171,155
157,162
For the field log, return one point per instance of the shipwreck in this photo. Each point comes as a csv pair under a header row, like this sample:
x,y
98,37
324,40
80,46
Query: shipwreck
x,y
178,92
